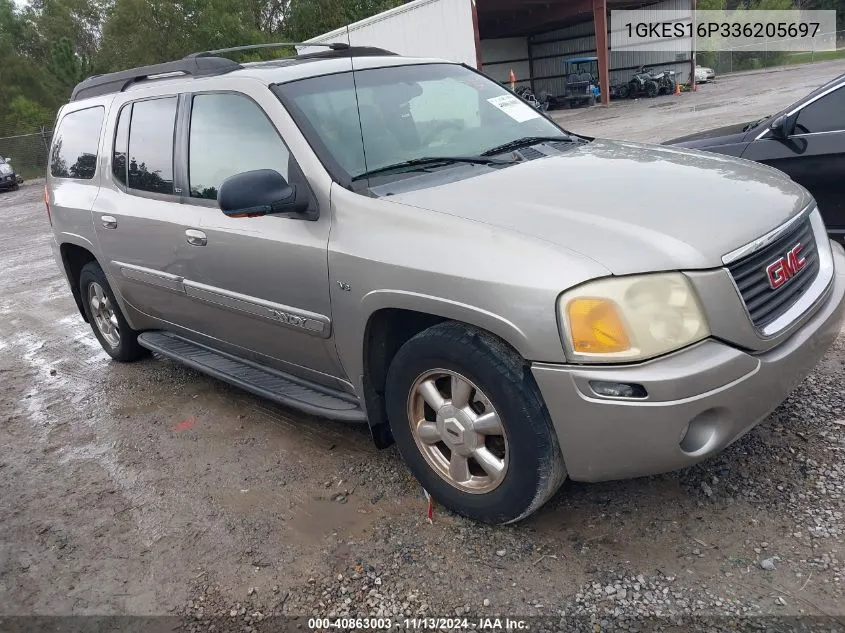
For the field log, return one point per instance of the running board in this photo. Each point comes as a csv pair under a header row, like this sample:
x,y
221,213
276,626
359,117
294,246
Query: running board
x,y
262,381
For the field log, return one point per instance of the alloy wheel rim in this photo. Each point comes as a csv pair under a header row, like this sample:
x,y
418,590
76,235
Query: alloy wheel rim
x,y
458,431
104,315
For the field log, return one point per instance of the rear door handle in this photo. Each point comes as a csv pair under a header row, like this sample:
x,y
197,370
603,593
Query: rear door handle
x,y
196,238
109,222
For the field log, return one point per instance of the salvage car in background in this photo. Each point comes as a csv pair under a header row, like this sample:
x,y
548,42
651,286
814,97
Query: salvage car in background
x,y
703,74
9,180
805,140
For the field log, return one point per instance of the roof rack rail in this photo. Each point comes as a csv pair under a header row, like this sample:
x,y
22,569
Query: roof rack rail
x,y
352,51
206,66
335,46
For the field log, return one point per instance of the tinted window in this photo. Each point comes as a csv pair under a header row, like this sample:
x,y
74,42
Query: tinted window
x,y
74,153
121,145
151,145
230,134
825,115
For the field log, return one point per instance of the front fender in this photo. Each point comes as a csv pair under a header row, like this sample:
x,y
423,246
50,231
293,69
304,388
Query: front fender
x,y
448,309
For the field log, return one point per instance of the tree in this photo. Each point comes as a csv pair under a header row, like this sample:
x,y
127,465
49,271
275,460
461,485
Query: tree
x,y
140,32
68,67
305,19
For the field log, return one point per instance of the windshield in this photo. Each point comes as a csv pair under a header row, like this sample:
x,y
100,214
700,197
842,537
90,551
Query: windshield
x,y
408,113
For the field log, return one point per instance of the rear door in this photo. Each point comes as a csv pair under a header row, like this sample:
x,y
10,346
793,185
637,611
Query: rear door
x,y
138,218
814,155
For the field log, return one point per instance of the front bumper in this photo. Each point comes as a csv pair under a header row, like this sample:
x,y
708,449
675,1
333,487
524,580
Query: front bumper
x,y
700,399
8,182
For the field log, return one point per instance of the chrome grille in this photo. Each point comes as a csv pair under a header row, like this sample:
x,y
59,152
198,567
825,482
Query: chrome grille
x,y
765,304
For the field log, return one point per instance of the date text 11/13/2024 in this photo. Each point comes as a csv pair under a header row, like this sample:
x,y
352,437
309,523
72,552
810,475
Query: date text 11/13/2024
x,y
422,623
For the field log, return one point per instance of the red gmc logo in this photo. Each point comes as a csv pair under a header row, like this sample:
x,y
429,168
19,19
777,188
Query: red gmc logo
x,y
782,270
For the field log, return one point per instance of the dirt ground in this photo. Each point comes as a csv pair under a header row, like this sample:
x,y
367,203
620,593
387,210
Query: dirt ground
x,y
149,489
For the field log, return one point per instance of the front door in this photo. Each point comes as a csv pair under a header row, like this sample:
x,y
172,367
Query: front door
x,y
260,283
814,155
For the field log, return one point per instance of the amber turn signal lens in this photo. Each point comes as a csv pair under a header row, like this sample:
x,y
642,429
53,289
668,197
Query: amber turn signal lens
x,y
596,327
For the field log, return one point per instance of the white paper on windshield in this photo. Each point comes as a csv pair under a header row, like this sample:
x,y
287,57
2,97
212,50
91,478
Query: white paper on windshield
x,y
514,108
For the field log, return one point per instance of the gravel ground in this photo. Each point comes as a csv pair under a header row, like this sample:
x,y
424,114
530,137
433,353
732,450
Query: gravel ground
x,y
151,490
734,98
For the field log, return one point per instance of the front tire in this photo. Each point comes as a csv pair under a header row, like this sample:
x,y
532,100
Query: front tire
x,y
107,321
468,420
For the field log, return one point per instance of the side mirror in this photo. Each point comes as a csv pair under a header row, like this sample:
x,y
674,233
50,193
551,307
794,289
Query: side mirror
x,y
260,192
783,126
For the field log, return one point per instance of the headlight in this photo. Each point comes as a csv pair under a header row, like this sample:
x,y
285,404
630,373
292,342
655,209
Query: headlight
x,y
621,319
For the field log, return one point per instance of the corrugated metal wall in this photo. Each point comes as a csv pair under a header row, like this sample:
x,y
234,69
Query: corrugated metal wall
x,y
549,50
424,28
677,60
500,56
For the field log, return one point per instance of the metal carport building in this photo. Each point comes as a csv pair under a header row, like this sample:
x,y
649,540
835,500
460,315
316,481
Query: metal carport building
x,y
532,38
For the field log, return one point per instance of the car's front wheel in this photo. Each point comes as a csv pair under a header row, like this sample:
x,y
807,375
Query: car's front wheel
x,y
469,422
110,326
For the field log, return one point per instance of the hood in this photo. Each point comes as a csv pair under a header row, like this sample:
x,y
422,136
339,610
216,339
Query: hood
x,y
630,207
737,130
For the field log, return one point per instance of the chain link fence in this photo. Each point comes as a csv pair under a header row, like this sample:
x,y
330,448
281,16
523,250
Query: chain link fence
x,y
737,59
27,151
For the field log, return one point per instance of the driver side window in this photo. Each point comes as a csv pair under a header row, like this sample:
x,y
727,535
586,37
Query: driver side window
x,y
230,134
824,115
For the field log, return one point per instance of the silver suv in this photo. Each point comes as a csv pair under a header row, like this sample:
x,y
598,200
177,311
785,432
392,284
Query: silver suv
x,y
405,243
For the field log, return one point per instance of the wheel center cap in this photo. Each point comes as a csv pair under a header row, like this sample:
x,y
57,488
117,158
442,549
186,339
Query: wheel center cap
x,y
456,429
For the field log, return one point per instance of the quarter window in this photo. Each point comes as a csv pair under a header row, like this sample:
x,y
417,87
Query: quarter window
x,y
150,165
74,152
230,135
824,115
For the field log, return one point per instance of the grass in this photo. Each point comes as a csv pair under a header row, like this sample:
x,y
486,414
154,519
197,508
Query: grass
x,y
823,56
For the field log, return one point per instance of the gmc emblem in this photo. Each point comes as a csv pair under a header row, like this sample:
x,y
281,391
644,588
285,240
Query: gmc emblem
x,y
782,270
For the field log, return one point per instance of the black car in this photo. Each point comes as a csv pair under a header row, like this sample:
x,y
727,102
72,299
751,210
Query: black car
x,y
806,140
9,180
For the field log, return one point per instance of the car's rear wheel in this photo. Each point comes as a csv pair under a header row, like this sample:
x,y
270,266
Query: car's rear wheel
x,y
118,339
469,422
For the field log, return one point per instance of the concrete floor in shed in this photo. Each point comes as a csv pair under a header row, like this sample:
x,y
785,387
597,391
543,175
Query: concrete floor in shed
x,y
151,489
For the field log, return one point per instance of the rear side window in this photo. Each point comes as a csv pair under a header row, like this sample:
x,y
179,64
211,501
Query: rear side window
x,y
824,115
150,165
74,153
230,134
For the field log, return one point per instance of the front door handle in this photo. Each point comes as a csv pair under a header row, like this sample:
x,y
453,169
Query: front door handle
x,y
109,222
196,238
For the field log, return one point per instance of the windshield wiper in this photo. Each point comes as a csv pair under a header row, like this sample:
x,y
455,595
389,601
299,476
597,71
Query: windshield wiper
x,y
525,142
754,124
431,161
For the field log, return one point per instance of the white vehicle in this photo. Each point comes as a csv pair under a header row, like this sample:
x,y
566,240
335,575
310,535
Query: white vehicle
x,y
704,74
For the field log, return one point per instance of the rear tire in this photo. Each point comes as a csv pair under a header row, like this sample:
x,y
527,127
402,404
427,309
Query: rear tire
x,y
487,448
103,313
